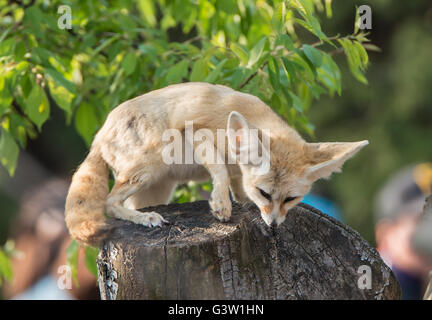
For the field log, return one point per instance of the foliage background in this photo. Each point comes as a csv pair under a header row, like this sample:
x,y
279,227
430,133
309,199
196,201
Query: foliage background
x,y
63,82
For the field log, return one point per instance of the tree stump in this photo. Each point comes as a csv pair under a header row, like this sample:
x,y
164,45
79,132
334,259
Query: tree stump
x,y
310,256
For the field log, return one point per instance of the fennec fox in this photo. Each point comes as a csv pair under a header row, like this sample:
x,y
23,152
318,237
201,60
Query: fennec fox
x,y
131,144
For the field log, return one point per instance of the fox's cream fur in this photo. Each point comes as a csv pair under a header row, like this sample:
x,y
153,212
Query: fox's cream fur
x,y
130,144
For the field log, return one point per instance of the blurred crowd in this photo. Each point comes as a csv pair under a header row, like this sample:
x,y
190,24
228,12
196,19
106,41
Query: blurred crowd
x,y
40,238
403,229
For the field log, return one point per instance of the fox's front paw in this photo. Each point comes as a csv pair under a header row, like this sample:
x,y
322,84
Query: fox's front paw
x,y
221,208
150,219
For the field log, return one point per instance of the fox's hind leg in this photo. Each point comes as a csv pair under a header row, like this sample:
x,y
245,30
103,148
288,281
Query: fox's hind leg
x,y
115,206
158,193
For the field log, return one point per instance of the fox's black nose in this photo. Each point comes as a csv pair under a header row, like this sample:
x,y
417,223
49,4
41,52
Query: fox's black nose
x,y
273,225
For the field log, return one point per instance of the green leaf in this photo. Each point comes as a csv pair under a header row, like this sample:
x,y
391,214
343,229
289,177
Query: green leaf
x,y
310,23
256,52
306,63
240,52
105,43
371,47
62,97
5,95
227,6
237,77
305,7
177,72
306,125
354,59
20,51
289,69
18,128
285,41
60,79
316,27
328,8
273,69
278,18
363,55
212,77
72,260
5,267
86,122
297,103
42,56
199,70
313,54
329,75
181,10
275,102
91,255
8,151
129,63
37,106
147,11
35,18
7,47
5,33
356,20
285,90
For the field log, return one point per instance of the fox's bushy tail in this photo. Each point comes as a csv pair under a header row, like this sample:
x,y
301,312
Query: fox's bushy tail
x,y
85,202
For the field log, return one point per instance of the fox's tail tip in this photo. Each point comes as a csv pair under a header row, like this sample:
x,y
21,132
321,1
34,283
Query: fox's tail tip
x,y
92,234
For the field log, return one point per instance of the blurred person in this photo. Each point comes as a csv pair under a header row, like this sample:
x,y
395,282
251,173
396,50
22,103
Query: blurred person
x,y
41,238
399,217
422,241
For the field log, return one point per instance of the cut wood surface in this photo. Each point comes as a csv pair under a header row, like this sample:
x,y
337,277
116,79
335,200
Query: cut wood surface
x,y
309,256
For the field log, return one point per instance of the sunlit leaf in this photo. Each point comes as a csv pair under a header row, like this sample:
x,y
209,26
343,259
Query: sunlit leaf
x,y
62,97
313,54
147,11
199,70
8,151
5,95
256,52
72,253
5,267
129,63
214,74
37,106
177,72
274,73
90,259
240,52
86,122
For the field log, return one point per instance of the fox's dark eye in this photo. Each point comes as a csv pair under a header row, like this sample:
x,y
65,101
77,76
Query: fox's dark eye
x,y
289,199
265,194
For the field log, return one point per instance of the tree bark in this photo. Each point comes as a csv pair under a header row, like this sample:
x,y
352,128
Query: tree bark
x,y
310,256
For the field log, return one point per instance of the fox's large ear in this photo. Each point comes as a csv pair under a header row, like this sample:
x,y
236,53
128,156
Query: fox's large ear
x,y
326,158
238,134
247,144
